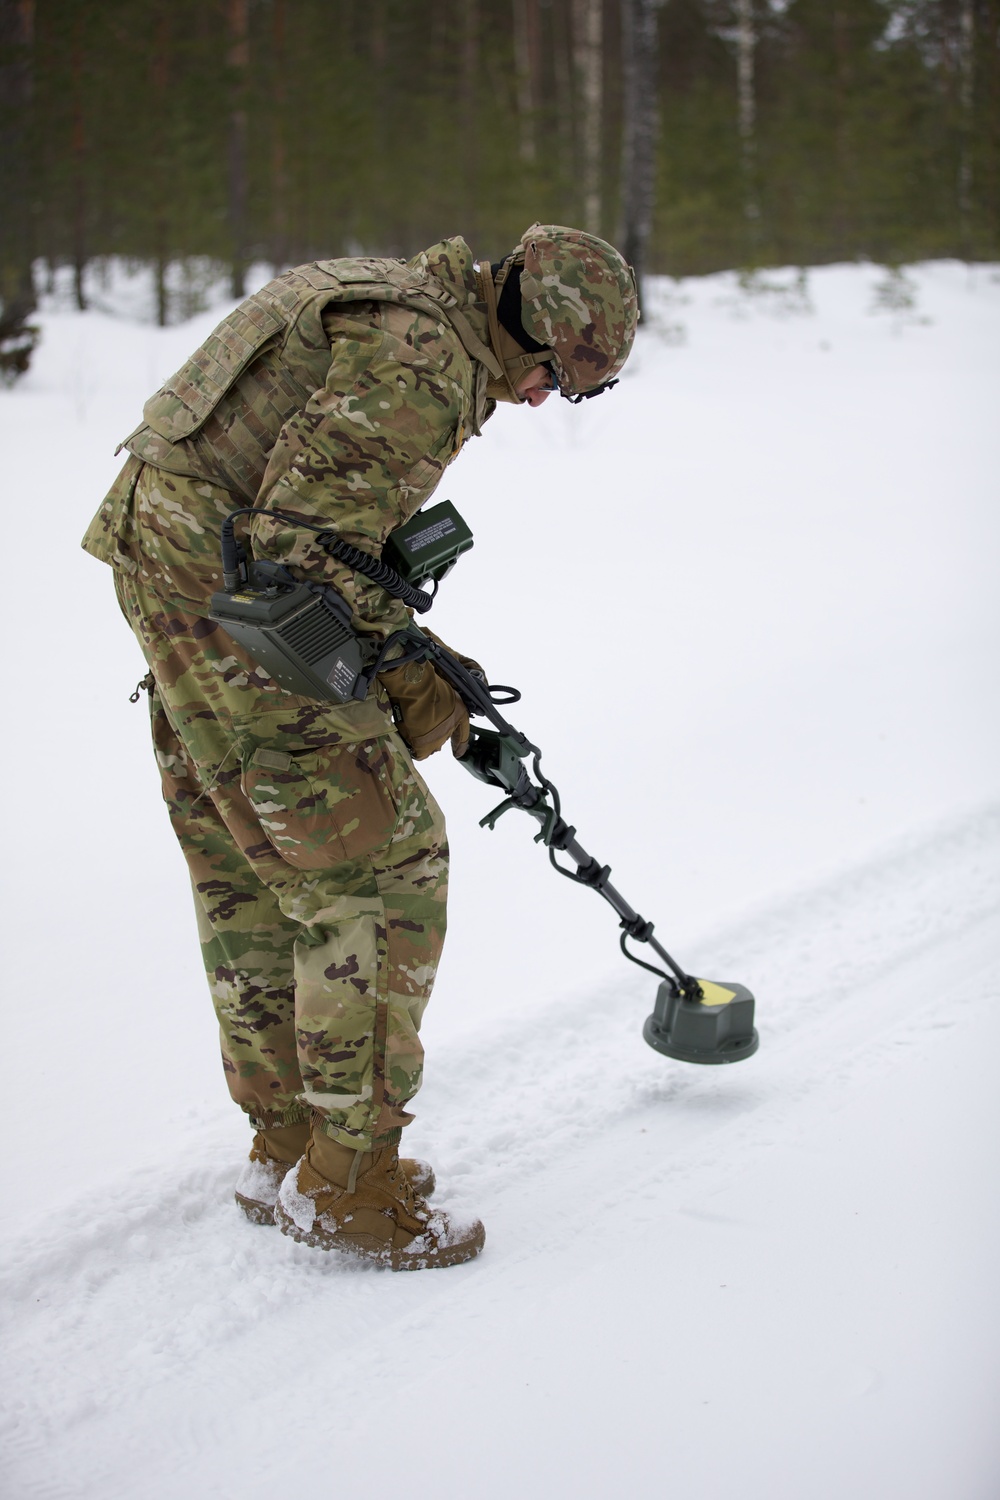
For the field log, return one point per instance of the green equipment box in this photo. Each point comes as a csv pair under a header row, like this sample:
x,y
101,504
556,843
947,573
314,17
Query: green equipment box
x,y
429,545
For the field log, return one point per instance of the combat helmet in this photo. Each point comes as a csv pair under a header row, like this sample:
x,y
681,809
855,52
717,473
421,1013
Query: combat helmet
x,y
577,309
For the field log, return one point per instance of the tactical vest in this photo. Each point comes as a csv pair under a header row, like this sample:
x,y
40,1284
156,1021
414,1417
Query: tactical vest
x,y
219,417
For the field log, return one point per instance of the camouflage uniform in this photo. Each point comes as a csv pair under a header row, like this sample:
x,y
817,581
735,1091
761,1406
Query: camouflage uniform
x,y
317,855
339,392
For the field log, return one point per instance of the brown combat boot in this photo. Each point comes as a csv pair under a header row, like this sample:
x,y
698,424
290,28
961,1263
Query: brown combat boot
x,y
274,1151
362,1203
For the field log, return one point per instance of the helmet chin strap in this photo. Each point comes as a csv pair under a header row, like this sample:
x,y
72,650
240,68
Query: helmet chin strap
x,y
513,359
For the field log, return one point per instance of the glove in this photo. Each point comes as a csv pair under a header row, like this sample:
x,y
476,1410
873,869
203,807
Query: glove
x,y
427,709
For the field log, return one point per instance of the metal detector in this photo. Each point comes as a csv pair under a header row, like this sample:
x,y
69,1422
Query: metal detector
x,y
302,633
693,1020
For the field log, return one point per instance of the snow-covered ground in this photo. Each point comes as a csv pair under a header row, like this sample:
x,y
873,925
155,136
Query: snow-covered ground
x,y
751,600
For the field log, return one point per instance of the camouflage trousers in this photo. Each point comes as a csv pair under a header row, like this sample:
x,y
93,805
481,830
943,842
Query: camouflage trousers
x,y
319,866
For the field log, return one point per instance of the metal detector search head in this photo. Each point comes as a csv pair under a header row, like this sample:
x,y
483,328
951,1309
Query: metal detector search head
x,y
717,1028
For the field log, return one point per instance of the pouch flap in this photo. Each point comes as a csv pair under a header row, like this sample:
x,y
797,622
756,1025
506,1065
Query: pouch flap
x,y
362,270
353,722
353,269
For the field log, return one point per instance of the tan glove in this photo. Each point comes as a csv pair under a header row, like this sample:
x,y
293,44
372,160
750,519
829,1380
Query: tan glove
x,y
427,709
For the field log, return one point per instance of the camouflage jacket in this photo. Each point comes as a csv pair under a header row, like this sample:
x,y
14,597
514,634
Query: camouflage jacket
x,y
339,391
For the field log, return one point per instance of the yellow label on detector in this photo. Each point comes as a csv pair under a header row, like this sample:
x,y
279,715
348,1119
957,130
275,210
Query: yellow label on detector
x,y
715,994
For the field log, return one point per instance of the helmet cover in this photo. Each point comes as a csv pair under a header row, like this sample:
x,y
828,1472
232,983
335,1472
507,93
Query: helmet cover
x,y
579,300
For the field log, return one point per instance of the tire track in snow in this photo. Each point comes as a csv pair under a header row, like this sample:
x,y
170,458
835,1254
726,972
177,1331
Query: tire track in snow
x,y
581,1064
163,1270
801,957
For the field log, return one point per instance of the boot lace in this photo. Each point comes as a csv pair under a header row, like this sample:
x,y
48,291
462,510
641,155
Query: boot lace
x,y
403,1188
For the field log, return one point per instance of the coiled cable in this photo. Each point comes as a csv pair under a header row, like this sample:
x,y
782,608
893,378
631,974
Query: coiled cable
x,y
373,568
362,562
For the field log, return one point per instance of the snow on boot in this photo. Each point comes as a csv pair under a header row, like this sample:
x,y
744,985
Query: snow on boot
x,y
274,1151
361,1203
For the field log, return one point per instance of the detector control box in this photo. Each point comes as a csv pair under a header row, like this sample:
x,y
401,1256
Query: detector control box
x,y
300,634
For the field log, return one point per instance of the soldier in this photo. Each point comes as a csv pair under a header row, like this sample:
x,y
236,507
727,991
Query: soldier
x,y
339,392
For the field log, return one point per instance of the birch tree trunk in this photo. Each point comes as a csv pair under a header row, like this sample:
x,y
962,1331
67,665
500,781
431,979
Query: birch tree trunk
x,y
79,158
17,32
746,43
467,107
640,129
279,164
526,65
159,78
966,99
588,56
843,215
561,42
237,16
381,89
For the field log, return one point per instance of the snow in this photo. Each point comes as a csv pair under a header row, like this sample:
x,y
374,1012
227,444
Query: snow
x,y
750,599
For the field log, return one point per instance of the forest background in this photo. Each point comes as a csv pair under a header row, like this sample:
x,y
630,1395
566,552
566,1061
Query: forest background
x,y
196,136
